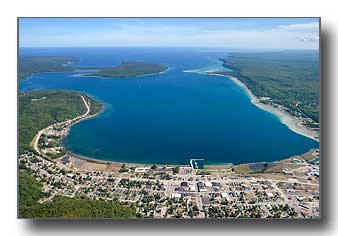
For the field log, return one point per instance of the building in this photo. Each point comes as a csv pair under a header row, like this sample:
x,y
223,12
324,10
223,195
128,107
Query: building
x,y
207,184
197,164
66,159
184,184
142,170
192,188
176,195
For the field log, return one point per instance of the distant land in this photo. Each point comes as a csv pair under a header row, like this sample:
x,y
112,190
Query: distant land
x,y
31,65
130,69
167,118
288,78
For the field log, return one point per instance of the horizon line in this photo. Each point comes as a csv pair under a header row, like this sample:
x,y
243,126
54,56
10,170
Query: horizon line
x,y
193,47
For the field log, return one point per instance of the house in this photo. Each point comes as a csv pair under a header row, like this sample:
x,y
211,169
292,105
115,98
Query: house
x,y
176,195
184,184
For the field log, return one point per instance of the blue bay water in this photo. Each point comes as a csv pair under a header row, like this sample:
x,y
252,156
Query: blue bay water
x,y
170,117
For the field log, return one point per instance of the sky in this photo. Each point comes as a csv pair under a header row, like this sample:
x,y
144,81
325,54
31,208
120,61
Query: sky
x,y
239,33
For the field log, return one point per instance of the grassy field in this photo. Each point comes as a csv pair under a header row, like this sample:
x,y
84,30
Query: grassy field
x,y
290,78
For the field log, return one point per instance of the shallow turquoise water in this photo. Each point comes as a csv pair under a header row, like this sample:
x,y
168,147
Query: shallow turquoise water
x,y
171,117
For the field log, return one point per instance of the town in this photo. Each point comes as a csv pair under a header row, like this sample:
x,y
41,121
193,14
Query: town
x,y
284,189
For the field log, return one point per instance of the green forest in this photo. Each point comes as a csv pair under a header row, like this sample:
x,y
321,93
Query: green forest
x,y
38,64
64,207
130,69
290,78
37,110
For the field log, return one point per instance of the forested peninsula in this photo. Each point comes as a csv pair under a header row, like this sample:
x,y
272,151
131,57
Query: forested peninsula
x,y
288,78
37,110
39,64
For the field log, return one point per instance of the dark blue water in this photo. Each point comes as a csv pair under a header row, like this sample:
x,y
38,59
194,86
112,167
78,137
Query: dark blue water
x,y
171,117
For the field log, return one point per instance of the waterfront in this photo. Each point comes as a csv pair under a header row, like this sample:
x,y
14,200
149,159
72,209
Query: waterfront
x,y
171,117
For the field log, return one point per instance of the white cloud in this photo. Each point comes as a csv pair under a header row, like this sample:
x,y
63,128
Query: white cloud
x,y
305,26
309,38
292,36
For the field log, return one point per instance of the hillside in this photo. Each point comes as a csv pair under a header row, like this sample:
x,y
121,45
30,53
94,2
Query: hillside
x,y
39,109
38,64
289,78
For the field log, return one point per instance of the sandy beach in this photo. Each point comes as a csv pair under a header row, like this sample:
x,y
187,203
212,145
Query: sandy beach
x,y
293,123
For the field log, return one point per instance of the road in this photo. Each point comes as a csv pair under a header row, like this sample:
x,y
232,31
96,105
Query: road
x,y
70,121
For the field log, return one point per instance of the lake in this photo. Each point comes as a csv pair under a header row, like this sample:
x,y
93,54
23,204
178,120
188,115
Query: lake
x,y
170,117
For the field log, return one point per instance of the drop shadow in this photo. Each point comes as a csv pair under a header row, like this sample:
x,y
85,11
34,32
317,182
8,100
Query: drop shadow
x,y
232,225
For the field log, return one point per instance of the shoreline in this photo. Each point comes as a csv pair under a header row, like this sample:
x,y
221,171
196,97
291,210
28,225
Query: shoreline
x,y
293,123
106,162
97,163
284,117
126,77
35,141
